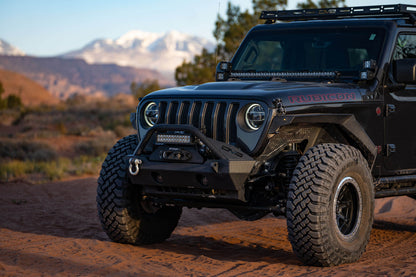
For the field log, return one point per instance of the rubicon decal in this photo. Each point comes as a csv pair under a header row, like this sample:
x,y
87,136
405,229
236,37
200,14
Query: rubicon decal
x,y
328,97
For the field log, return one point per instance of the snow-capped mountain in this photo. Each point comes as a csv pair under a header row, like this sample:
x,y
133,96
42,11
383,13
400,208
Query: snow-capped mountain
x,y
162,52
9,50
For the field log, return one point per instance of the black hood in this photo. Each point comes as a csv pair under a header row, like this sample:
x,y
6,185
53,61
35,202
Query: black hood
x,y
291,93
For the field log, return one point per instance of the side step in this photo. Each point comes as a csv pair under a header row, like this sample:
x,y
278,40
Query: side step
x,y
395,186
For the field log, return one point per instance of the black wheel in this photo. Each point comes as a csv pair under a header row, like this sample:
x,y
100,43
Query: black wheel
x,y
124,217
330,205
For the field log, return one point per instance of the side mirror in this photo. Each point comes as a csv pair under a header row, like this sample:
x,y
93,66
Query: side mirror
x,y
405,71
223,71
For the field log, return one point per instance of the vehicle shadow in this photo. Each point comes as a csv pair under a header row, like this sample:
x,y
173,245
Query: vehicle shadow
x,y
393,226
222,250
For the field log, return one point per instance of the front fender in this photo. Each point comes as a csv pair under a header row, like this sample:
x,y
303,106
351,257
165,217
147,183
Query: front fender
x,y
346,122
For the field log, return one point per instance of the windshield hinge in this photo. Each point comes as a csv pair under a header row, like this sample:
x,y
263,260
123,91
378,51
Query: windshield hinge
x,y
278,104
389,109
389,149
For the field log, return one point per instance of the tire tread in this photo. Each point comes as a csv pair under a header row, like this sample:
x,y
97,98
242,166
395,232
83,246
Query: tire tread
x,y
309,192
118,202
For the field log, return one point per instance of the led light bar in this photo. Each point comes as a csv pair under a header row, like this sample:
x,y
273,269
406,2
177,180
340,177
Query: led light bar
x,y
282,74
174,139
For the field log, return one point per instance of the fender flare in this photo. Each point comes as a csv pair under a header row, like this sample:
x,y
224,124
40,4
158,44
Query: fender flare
x,y
346,122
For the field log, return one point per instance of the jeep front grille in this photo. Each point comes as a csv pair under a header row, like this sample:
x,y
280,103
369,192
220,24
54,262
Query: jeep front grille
x,y
216,120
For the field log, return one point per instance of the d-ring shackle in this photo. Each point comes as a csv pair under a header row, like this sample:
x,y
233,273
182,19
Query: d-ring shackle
x,y
134,166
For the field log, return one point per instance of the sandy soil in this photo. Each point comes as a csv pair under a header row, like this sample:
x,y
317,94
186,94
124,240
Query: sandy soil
x,y
52,229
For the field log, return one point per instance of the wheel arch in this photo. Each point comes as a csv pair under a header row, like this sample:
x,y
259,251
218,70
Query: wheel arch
x,y
342,128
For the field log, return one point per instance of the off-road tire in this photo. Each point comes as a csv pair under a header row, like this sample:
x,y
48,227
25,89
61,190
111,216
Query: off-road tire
x,y
320,229
118,202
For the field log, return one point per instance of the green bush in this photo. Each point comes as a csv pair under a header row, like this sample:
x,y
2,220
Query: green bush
x,y
13,101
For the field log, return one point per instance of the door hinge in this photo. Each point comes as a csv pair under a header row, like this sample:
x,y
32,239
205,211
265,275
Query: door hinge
x,y
389,109
389,149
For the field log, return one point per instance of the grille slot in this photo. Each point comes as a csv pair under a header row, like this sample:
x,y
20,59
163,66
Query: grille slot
x,y
215,119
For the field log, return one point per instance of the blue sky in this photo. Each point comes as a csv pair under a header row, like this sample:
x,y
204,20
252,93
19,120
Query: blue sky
x,y
52,27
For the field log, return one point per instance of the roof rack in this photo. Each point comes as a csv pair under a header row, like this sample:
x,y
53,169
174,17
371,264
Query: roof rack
x,y
398,10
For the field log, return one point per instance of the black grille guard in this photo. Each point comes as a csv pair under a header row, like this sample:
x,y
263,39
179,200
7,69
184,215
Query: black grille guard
x,y
220,149
220,178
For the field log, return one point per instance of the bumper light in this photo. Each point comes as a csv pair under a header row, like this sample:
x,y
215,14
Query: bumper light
x,y
175,139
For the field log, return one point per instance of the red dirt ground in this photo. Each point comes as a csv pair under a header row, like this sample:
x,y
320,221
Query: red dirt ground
x,y
52,229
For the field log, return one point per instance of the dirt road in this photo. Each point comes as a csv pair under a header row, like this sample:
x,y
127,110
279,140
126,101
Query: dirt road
x,y
52,229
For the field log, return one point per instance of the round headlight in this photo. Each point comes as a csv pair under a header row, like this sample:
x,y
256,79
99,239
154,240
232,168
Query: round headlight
x,y
151,114
255,116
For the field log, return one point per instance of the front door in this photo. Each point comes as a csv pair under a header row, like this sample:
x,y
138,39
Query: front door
x,y
400,120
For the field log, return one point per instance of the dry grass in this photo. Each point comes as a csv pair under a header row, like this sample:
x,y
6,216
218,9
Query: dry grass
x,y
50,170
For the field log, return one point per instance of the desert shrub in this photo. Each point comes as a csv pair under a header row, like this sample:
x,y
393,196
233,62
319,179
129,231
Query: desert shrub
x,y
14,169
99,132
126,121
26,151
87,165
76,100
21,117
8,117
95,147
13,101
122,131
60,126
54,170
51,170
146,87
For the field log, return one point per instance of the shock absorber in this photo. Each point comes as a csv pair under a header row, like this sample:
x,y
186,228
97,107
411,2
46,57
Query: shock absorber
x,y
284,169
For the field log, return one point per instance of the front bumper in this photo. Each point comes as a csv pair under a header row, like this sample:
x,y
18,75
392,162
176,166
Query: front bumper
x,y
217,177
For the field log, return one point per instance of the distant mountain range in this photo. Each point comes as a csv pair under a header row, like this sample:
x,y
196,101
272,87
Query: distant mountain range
x,y
107,66
161,52
8,49
66,77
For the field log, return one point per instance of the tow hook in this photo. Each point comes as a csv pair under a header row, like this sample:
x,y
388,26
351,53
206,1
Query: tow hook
x,y
134,166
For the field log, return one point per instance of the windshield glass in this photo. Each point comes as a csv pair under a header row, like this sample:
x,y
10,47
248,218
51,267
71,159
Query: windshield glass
x,y
341,50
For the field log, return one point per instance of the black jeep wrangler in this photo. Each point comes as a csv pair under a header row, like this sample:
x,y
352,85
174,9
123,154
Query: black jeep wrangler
x,y
311,119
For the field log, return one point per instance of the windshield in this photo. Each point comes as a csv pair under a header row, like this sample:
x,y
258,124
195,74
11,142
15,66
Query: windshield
x,y
340,50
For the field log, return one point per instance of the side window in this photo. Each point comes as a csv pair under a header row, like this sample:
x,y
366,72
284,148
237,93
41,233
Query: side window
x,y
405,47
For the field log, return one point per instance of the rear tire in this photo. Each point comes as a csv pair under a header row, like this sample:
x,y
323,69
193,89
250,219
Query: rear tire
x,y
330,205
119,202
